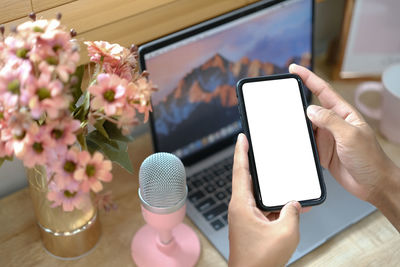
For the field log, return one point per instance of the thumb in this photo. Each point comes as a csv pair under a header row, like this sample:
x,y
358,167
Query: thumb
x,y
241,179
327,119
290,215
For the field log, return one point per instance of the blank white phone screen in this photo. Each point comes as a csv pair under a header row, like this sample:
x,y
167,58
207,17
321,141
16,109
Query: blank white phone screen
x,y
281,144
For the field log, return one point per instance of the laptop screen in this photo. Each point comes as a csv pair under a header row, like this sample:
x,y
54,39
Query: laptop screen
x,y
196,70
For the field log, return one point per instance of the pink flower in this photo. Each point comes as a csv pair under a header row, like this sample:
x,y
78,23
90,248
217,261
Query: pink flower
x,y
122,70
64,169
46,42
42,53
18,47
5,114
67,64
127,120
18,132
104,51
66,182
114,58
63,130
5,151
47,96
68,199
92,170
45,37
37,27
62,62
38,149
37,115
104,201
54,35
139,96
125,68
13,77
109,94
18,67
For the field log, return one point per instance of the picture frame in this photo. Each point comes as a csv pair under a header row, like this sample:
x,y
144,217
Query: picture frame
x,y
368,43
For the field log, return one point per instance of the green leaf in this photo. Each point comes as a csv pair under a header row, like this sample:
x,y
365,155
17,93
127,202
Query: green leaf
x,y
41,120
76,88
2,159
99,125
115,133
76,112
115,151
81,111
100,139
86,102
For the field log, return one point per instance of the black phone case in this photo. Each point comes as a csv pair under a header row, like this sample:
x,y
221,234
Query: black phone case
x,y
245,126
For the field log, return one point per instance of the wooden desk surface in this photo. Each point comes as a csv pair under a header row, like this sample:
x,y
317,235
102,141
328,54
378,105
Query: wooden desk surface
x,y
373,241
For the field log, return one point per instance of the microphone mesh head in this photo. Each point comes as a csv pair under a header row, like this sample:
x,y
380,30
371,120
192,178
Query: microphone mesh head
x,y
162,180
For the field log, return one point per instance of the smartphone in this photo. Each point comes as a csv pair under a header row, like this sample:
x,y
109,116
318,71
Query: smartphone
x,y
283,156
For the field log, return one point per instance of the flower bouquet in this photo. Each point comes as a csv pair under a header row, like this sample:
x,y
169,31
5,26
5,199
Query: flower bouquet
x,y
48,119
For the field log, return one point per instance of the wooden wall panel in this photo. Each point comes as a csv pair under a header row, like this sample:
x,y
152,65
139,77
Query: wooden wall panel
x,y
16,22
14,9
134,21
40,5
160,21
85,15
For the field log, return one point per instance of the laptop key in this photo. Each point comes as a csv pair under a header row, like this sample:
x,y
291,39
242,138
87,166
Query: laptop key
x,y
225,217
210,188
217,224
213,213
196,196
205,204
197,183
208,178
221,195
219,171
220,183
207,175
228,166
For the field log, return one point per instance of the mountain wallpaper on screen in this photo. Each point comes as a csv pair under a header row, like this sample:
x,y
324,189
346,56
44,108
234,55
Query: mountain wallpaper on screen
x,y
208,90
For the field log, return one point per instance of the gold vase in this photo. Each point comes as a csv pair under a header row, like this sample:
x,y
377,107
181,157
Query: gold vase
x,y
66,235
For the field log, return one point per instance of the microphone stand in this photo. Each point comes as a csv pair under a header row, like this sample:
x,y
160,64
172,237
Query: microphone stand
x,y
165,241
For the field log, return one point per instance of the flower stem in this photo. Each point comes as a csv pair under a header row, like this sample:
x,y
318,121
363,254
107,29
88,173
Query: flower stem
x,y
100,116
97,72
82,141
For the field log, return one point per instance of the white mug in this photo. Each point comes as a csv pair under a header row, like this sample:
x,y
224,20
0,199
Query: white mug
x,y
388,113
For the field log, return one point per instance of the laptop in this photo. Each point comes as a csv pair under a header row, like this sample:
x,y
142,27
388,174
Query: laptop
x,y
195,113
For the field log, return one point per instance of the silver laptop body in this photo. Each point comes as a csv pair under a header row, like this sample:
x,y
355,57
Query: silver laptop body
x,y
339,211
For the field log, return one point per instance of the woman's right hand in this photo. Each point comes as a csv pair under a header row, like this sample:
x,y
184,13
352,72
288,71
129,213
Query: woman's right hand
x,y
348,148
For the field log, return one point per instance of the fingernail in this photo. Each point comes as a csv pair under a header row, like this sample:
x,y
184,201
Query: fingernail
x,y
240,137
312,111
296,204
292,67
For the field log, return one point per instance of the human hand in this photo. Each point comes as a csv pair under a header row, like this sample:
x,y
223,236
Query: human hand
x,y
257,238
347,146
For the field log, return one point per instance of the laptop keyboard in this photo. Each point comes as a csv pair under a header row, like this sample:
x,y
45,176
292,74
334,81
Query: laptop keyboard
x,y
210,192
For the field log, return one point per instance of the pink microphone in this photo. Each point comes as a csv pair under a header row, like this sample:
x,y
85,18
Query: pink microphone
x,y
164,240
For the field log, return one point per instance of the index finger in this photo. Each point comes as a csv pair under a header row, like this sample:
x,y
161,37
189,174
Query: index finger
x,y
328,98
241,179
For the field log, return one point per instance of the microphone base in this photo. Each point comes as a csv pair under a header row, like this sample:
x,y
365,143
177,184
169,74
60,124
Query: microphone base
x,y
182,251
